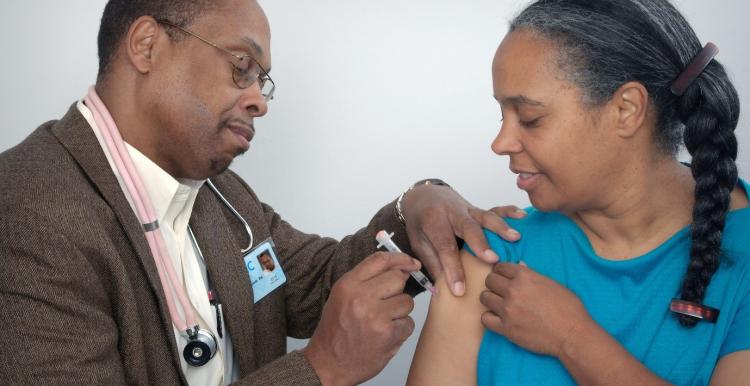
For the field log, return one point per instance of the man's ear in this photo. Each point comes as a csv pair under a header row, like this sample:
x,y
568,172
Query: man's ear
x,y
139,44
630,103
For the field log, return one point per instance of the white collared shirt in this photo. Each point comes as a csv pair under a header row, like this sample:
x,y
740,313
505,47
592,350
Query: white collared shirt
x,y
173,202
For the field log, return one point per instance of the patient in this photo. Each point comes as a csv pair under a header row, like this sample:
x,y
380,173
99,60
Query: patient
x,y
597,98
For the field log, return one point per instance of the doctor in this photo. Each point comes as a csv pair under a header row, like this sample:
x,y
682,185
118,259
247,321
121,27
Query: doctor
x,y
126,240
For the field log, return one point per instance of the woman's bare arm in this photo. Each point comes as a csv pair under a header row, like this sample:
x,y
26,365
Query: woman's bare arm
x,y
733,369
449,344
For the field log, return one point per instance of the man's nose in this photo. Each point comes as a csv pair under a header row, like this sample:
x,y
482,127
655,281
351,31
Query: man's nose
x,y
253,101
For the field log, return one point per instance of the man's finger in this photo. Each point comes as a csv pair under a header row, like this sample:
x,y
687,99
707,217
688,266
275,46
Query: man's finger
x,y
493,322
511,211
388,283
509,270
471,232
399,306
454,275
495,223
428,256
380,262
441,236
403,328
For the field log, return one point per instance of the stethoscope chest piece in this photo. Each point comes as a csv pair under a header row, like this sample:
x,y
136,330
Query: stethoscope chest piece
x,y
201,347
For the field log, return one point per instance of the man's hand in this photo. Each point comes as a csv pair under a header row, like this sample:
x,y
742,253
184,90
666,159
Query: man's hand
x,y
364,321
436,215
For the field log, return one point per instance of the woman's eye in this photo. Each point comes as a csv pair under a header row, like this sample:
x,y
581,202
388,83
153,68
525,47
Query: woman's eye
x,y
530,124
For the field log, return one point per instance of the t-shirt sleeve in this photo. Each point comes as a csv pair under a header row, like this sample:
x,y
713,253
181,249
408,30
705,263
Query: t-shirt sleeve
x,y
506,250
738,336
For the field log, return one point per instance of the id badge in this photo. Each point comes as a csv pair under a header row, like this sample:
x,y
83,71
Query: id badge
x,y
264,269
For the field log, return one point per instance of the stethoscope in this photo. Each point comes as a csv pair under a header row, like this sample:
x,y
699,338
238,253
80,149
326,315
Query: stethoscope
x,y
202,344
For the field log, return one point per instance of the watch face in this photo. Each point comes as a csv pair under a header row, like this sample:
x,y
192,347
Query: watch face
x,y
431,181
427,181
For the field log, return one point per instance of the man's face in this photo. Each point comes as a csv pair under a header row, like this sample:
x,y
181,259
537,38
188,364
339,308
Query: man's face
x,y
204,119
266,262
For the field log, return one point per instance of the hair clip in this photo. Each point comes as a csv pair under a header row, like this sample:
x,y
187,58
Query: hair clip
x,y
700,311
694,69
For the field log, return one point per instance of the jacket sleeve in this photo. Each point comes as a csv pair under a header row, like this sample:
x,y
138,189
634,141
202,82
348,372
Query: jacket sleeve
x,y
313,263
290,369
55,314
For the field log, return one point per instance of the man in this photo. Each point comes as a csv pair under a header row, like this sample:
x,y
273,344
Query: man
x,y
266,262
86,297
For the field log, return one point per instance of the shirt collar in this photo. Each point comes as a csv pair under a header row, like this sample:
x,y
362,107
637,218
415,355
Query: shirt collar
x,y
172,199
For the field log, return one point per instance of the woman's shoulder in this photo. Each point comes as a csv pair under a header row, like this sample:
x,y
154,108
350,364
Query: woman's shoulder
x,y
735,239
535,222
535,228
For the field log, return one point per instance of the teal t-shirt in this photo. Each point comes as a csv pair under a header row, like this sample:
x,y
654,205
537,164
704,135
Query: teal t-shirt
x,y
629,299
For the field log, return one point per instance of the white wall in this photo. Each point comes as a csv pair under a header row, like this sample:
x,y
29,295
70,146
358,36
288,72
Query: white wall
x,y
372,95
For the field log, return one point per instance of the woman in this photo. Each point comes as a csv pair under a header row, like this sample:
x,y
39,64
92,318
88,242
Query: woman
x,y
596,98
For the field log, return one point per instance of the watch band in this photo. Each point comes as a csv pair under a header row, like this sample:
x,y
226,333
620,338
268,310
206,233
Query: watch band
x,y
427,181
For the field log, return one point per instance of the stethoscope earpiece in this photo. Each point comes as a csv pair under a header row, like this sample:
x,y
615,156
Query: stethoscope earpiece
x,y
201,347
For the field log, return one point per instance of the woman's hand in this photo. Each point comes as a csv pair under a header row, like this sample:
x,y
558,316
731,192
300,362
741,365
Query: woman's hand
x,y
532,310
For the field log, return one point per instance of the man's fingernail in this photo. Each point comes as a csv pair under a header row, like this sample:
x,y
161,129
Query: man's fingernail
x,y
513,233
459,288
491,256
417,262
520,212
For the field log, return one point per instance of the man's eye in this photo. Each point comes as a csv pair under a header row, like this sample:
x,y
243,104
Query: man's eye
x,y
247,65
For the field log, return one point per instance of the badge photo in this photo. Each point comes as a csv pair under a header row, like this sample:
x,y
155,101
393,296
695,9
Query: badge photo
x,y
266,274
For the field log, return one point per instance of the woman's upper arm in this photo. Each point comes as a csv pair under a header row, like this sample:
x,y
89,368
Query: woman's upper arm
x,y
449,344
732,369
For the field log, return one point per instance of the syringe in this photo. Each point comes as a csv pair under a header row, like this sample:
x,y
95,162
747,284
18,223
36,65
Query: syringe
x,y
384,240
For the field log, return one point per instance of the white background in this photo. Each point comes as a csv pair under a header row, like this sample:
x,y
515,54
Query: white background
x,y
372,95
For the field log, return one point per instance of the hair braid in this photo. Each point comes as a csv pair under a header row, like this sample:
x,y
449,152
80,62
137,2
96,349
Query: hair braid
x,y
710,121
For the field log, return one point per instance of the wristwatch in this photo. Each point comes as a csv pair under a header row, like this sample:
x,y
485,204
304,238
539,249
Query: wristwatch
x,y
426,181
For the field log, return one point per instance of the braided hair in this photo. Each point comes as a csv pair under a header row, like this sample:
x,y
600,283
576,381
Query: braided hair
x,y
604,44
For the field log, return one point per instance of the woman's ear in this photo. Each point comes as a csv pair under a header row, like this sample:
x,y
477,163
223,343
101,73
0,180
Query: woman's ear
x,y
630,103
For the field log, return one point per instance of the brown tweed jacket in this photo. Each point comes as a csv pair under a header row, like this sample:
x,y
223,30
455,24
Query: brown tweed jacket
x,y
80,297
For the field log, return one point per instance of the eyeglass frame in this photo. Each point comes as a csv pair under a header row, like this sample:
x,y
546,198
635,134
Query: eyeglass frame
x,y
261,80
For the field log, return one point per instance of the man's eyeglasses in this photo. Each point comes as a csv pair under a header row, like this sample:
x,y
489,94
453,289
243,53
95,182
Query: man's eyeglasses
x,y
246,73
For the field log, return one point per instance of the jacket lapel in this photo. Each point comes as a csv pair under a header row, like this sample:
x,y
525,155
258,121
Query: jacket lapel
x,y
228,274
75,134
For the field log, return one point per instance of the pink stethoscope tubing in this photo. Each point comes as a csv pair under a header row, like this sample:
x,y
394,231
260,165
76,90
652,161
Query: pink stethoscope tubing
x,y
144,211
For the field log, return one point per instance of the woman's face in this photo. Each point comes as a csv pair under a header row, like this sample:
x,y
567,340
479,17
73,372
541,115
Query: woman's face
x,y
559,146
